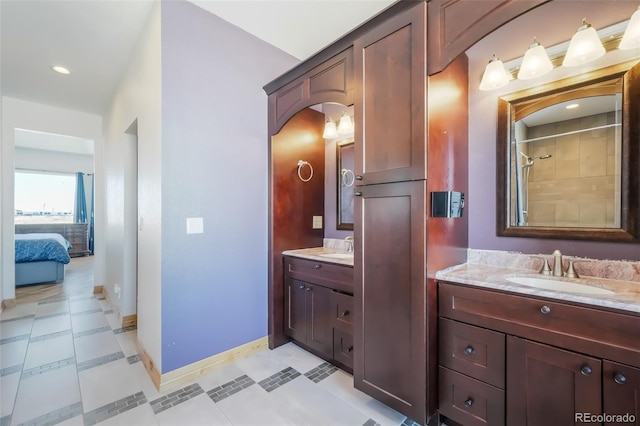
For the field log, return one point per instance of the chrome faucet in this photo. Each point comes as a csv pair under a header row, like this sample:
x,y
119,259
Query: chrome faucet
x,y
557,263
349,240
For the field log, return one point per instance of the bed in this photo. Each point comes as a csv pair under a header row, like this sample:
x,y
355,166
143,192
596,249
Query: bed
x,y
40,258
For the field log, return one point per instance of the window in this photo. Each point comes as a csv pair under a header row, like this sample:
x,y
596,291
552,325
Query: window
x,y
44,197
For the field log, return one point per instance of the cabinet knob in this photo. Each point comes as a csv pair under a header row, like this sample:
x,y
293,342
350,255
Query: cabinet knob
x,y
358,177
545,309
350,349
301,286
317,266
620,379
468,403
344,313
358,194
586,370
469,350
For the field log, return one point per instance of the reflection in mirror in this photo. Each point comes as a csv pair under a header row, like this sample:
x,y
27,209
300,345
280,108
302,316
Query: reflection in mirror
x,y
345,160
564,159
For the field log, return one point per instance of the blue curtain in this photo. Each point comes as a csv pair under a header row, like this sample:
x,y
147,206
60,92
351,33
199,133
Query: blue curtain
x,y
91,218
80,214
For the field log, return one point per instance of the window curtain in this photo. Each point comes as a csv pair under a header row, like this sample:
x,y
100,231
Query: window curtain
x,y
91,218
80,211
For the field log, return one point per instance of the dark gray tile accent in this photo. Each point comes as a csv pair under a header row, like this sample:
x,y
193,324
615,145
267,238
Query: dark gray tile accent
x,y
89,332
47,367
111,410
74,298
229,388
5,421
52,315
101,298
279,379
176,397
91,311
110,311
321,372
10,370
14,339
17,319
125,329
371,422
133,359
57,416
99,361
56,300
49,336
409,422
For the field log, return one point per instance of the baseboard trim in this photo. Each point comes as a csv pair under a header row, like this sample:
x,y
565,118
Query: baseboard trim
x,y
98,289
129,320
189,372
8,303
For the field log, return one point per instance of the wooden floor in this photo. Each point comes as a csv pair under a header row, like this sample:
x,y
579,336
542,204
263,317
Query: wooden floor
x,y
78,281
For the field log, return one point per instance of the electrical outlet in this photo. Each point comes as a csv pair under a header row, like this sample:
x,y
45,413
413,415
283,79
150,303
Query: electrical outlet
x,y
116,290
317,222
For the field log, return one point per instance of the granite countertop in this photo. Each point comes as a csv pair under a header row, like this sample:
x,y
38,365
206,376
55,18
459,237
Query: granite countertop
x,y
626,296
323,254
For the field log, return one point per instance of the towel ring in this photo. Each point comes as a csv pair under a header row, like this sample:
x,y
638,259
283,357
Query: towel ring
x,y
302,164
345,177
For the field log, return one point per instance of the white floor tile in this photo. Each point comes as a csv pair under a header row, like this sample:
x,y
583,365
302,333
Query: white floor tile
x,y
114,321
340,384
74,421
107,383
20,310
297,357
41,394
200,410
140,374
254,406
261,365
219,377
13,353
127,342
61,307
50,325
142,415
16,328
84,322
50,350
8,392
95,346
104,304
82,305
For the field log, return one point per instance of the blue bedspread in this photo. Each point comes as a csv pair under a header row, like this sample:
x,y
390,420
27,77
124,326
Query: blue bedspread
x,y
32,250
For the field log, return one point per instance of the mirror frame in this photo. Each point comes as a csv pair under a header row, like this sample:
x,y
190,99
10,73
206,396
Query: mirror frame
x,y
629,230
340,225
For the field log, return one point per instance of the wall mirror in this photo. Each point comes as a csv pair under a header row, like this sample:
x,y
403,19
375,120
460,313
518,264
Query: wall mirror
x,y
568,158
345,161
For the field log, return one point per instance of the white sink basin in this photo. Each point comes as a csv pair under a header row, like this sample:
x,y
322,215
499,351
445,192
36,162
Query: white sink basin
x,y
551,284
337,255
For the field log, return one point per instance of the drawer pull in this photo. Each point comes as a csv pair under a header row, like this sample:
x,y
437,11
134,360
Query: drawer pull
x,y
350,349
307,289
317,266
620,379
358,194
545,309
468,403
301,287
344,313
586,370
358,177
469,350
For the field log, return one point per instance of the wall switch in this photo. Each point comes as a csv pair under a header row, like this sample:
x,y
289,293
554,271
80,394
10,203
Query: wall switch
x,y
317,222
195,225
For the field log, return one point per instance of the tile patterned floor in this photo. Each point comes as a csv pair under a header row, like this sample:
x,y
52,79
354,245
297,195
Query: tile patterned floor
x,y
65,361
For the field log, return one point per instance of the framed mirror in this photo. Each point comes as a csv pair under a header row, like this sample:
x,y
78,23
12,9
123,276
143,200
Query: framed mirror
x,y
345,161
568,158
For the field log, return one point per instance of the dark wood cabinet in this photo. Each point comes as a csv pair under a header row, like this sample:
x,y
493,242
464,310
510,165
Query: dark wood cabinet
x,y
545,383
390,107
621,393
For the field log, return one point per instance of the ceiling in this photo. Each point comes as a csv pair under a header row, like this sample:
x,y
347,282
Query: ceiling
x,y
94,39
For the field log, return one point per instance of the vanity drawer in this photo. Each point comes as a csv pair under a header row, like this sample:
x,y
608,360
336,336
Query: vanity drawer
x,y
474,351
468,401
582,329
342,305
326,274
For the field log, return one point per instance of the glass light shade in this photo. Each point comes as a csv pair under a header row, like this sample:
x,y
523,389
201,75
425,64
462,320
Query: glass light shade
x,y
494,76
330,130
585,46
535,63
345,126
631,37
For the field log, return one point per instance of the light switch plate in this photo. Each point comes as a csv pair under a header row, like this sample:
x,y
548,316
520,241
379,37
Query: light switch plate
x,y
195,225
317,222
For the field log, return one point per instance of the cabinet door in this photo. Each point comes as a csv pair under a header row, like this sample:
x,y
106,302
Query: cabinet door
x,y
621,392
390,111
295,316
389,295
547,385
319,326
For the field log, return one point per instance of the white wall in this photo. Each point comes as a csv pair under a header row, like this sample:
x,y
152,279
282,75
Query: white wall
x,y
138,96
20,114
52,161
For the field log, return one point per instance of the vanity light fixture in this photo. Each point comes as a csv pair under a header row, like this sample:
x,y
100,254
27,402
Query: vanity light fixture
x,y
585,46
535,63
330,130
345,126
495,76
60,70
631,37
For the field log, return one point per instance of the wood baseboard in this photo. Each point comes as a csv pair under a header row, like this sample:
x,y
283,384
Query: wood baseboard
x,y
8,303
189,372
129,320
125,320
98,289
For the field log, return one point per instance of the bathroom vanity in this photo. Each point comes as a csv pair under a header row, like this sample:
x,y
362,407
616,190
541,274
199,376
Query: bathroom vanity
x,y
517,355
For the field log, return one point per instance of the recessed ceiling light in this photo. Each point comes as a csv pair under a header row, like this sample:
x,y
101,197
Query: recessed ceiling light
x,y
61,70
572,106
